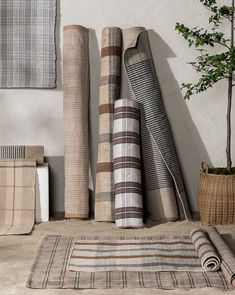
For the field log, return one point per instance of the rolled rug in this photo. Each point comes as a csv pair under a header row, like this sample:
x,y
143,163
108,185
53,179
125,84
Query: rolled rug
x,y
76,99
227,256
109,91
164,192
127,165
209,258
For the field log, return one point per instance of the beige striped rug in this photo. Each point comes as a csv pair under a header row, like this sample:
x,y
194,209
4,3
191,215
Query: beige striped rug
x,y
146,254
23,152
76,99
109,91
17,196
49,270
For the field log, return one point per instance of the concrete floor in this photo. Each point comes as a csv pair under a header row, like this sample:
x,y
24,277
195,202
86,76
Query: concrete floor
x,y
17,254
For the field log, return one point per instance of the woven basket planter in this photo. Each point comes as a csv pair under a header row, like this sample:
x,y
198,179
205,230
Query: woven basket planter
x,y
216,197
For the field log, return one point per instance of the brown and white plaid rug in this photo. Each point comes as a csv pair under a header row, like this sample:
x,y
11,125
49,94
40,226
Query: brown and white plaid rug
x,y
49,270
109,92
17,196
27,37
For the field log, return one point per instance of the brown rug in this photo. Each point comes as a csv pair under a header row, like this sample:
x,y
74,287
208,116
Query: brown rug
x,y
109,92
49,270
17,196
76,100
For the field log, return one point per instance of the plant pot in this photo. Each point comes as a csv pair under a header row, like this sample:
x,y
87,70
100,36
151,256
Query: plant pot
x,y
216,197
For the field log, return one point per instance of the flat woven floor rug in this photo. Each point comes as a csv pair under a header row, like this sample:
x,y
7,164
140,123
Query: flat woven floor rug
x,y
109,91
164,189
150,254
27,37
49,270
76,101
17,196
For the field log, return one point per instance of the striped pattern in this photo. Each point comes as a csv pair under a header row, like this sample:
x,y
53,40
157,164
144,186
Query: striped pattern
x,y
49,270
145,255
206,252
165,196
22,152
76,99
150,254
17,196
226,254
109,92
127,165
27,38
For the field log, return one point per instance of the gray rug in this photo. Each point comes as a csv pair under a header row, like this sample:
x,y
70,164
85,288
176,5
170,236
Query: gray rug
x,y
27,50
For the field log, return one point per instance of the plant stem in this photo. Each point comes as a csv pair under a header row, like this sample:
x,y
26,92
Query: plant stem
x,y
230,94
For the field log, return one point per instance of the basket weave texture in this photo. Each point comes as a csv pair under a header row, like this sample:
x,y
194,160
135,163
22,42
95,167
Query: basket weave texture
x,y
216,197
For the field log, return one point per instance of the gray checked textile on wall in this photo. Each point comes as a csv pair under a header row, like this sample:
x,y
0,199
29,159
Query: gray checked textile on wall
x,y
27,43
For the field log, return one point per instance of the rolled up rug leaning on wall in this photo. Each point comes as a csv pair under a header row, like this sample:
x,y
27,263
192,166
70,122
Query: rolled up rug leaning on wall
x,y
76,101
164,192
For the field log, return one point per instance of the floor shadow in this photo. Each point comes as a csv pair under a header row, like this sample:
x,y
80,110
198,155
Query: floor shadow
x,y
230,241
94,56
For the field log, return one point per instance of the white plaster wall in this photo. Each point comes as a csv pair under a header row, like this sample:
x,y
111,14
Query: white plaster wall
x,y
36,116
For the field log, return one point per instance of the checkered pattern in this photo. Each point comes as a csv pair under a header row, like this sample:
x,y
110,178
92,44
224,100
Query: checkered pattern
x,y
27,43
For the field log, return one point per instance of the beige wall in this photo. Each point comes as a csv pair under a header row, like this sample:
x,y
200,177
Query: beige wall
x,y
36,116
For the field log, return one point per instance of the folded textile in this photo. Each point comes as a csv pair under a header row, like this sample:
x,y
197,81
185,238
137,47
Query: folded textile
x,y
109,91
23,152
127,165
76,100
49,270
165,197
17,196
207,254
27,37
227,256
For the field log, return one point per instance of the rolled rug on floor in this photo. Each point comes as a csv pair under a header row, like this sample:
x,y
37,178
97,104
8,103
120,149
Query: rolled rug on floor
x,y
227,256
76,100
109,91
164,192
206,252
127,165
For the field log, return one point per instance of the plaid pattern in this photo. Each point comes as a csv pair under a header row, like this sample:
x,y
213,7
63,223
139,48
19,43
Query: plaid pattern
x,y
49,270
17,196
76,99
27,50
145,254
22,152
127,165
165,196
109,92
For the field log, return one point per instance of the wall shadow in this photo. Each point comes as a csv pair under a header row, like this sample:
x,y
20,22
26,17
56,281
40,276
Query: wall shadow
x,y
94,56
189,145
58,49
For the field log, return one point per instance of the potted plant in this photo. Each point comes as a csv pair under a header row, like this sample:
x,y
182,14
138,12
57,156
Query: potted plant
x,y
216,191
